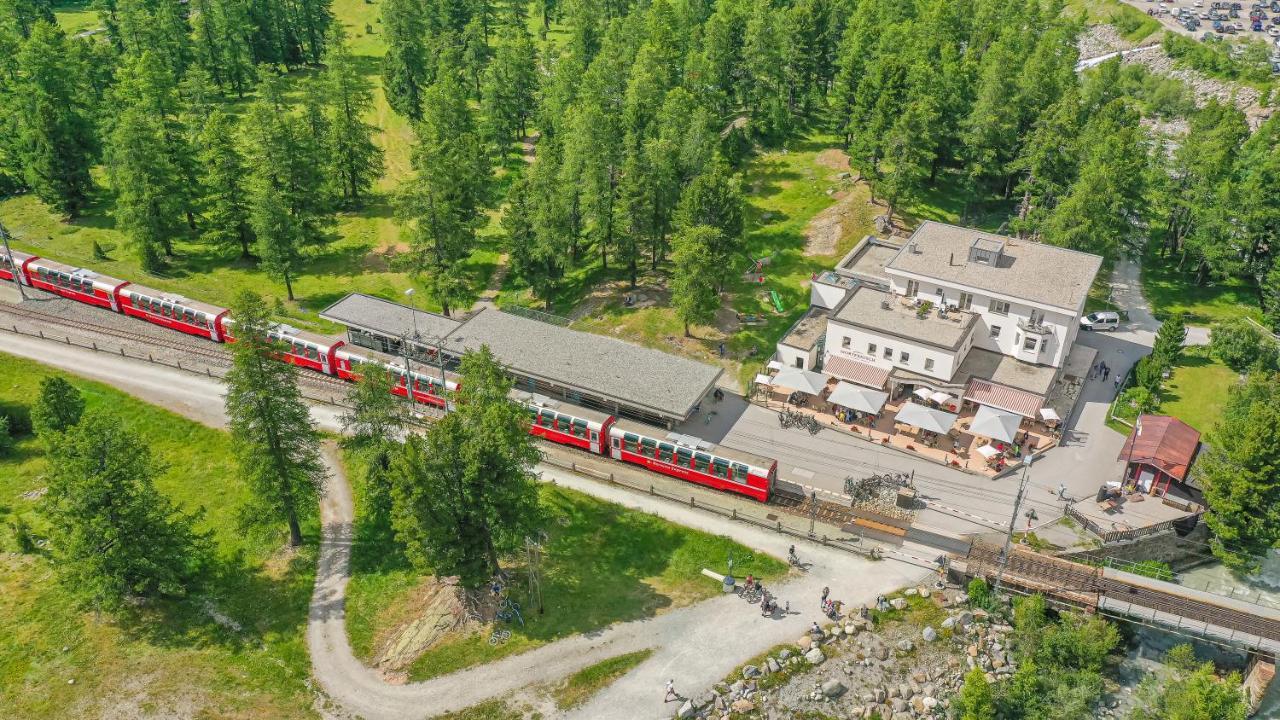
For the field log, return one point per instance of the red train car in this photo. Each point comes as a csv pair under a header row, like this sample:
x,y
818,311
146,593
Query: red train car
x,y
566,424
694,460
308,350
428,386
78,284
18,265
173,311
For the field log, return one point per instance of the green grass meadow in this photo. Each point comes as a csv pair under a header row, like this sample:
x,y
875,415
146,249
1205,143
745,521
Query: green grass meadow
x,y
170,659
602,564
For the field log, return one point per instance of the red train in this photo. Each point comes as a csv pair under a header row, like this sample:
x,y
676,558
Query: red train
x,y
680,456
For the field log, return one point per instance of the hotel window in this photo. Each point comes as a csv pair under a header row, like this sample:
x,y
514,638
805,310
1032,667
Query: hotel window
x,y
928,363
995,331
846,342
904,356
1030,344
913,288
888,353
871,348
999,307
966,301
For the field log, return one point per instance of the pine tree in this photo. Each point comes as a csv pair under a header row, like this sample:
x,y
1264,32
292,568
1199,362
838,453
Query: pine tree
x,y
355,157
976,700
147,207
464,495
21,16
714,199
507,90
280,237
442,204
1169,340
226,193
406,72
58,407
695,273
56,140
374,420
276,445
1239,472
113,535
909,154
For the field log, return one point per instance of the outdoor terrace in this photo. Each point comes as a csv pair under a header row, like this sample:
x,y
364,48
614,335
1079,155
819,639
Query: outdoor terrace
x,y
887,314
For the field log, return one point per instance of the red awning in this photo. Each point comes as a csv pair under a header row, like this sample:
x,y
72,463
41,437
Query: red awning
x,y
855,371
1003,397
1166,443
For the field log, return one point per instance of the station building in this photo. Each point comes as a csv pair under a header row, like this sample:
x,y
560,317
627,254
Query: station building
x,y
545,358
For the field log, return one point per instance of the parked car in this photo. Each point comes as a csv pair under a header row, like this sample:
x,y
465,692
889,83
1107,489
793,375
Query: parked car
x,y
1105,320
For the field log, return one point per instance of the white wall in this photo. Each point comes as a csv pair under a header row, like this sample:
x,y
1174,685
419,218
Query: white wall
x,y
1053,348
788,355
944,363
825,296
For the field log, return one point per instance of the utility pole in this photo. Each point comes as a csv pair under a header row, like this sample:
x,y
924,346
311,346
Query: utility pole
x,y
4,237
813,511
1013,521
533,552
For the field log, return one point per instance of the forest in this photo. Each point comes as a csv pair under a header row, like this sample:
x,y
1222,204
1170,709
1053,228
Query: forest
x,y
247,126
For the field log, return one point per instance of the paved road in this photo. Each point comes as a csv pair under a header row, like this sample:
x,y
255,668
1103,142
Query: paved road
x,y
696,645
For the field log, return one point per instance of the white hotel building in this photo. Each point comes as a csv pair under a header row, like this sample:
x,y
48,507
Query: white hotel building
x,y
989,318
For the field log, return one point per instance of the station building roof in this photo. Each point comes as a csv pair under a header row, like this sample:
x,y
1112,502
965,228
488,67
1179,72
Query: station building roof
x,y
640,377
643,379
385,317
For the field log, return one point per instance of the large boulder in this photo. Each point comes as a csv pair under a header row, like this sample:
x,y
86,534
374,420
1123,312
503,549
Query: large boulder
x,y
687,710
742,706
804,642
929,634
815,656
905,645
772,665
948,623
898,603
750,671
784,653
833,688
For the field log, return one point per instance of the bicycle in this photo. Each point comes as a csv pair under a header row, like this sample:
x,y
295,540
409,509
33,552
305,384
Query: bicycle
x,y
751,594
499,636
510,610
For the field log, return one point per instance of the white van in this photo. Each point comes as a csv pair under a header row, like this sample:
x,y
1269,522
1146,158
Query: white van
x,y
1100,321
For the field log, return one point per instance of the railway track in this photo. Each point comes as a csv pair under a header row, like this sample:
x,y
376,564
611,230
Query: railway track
x,y
1089,585
827,511
215,353
210,353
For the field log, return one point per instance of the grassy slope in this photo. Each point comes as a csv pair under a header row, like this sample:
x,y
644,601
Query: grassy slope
x,y
1170,291
603,564
1135,25
1197,391
358,260
173,656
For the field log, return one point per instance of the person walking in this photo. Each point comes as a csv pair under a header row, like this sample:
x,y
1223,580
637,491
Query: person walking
x,y
825,592
671,692
1062,491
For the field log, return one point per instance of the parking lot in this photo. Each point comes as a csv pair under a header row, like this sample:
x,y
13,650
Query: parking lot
x,y
1217,18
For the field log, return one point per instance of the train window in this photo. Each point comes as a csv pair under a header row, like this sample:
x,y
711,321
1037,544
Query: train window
x,y
312,352
701,462
665,451
189,315
683,457
720,468
630,441
740,472
579,428
649,446
201,318
155,306
546,418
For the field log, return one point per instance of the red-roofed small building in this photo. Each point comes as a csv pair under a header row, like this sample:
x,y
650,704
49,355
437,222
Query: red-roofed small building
x,y
1159,452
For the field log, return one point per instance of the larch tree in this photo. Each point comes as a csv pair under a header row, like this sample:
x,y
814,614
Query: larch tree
x,y
406,70
1240,476
57,408
276,444
354,157
465,494
225,185
1187,689
113,536
442,204
22,15
56,142
373,422
279,236
714,199
147,208
695,274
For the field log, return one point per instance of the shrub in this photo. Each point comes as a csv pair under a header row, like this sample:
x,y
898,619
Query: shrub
x,y
6,439
1241,346
1140,399
979,593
